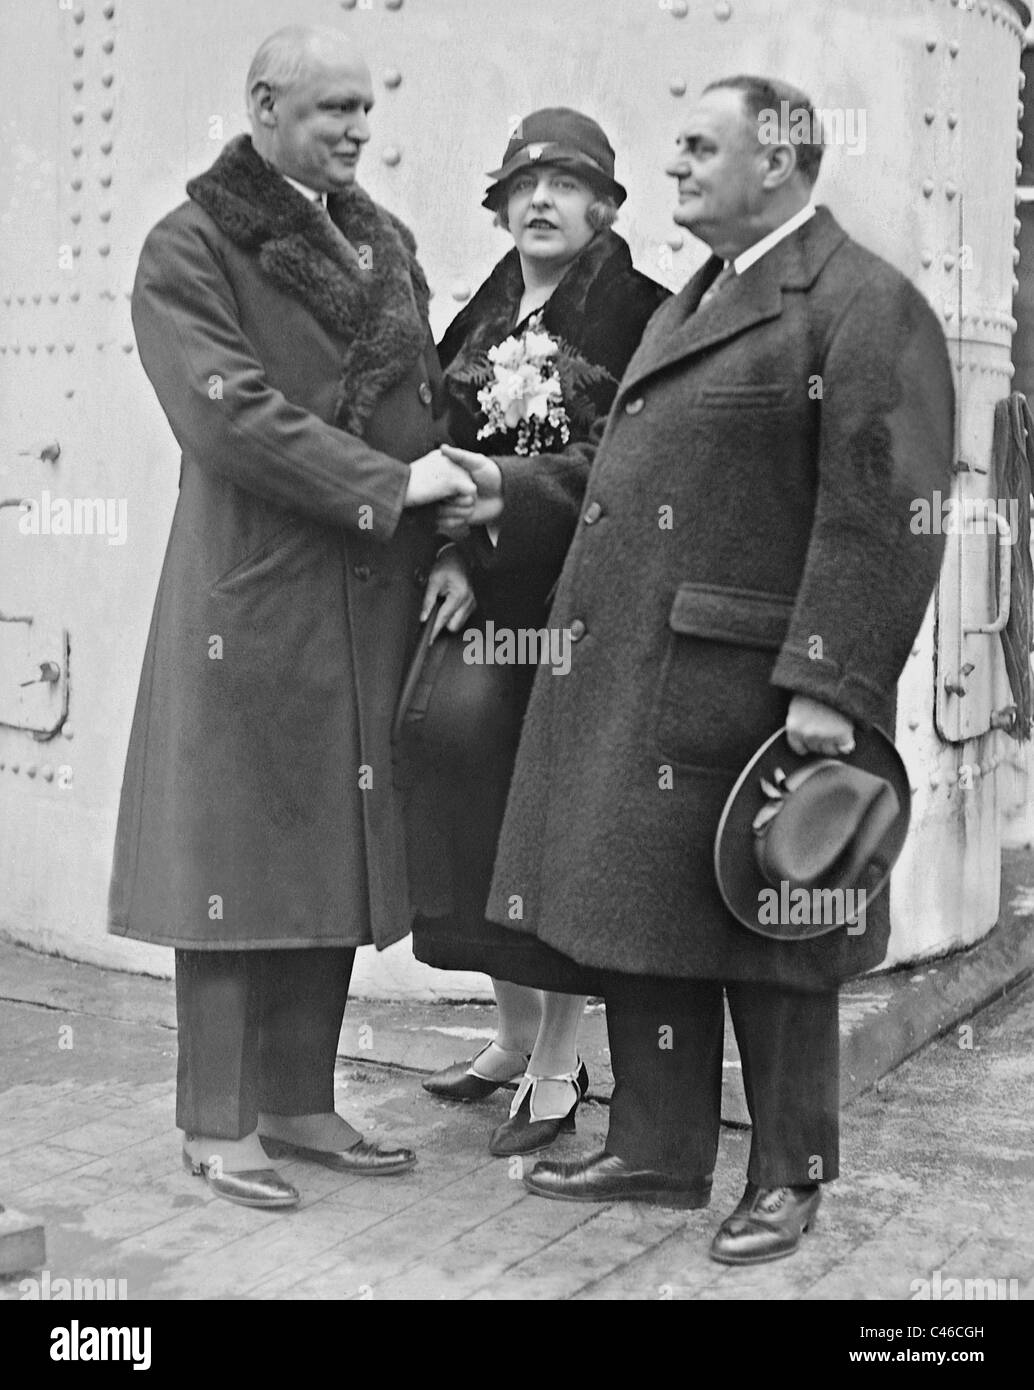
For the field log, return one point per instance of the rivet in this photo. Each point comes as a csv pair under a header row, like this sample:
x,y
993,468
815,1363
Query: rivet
x,y
74,296
1015,289
722,10
107,113
69,395
32,348
14,767
953,48
949,261
105,215
392,156
107,79
931,44
127,347
949,311
78,49
928,188
1019,111
77,250
47,773
949,191
392,78
935,780
53,296
7,299
108,11
16,347
913,723
953,119
1019,138
676,241
1023,79
677,87
348,4
1019,169
1015,255
36,298
68,731
77,84
77,184
679,9
1017,226
51,347
983,6
31,770
105,180
77,149
77,115
79,16
108,44
75,217
70,347
104,249
393,4
461,292
928,115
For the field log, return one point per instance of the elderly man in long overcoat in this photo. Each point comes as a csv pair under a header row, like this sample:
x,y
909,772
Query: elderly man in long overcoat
x,y
744,560
281,316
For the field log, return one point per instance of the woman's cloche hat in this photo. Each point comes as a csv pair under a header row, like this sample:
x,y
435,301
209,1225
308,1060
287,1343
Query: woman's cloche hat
x,y
558,135
804,840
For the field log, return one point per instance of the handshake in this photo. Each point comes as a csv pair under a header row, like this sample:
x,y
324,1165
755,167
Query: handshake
x,y
467,487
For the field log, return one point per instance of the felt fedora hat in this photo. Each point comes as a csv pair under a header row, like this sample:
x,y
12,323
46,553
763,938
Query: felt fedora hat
x,y
804,843
558,135
453,715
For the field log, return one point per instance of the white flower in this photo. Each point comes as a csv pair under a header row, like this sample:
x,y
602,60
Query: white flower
x,y
509,353
539,344
539,401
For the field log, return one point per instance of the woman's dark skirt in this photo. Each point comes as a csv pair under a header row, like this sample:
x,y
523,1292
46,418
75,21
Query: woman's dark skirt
x,y
459,820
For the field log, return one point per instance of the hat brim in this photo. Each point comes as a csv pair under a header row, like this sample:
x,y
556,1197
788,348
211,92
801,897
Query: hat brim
x,y
740,880
586,170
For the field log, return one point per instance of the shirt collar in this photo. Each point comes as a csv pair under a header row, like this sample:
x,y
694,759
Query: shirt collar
x,y
306,192
754,253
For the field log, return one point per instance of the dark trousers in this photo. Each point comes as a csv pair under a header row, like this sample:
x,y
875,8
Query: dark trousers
x,y
666,1052
258,1030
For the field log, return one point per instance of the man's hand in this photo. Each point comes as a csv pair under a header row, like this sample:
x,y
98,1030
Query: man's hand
x,y
433,478
812,727
456,516
450,581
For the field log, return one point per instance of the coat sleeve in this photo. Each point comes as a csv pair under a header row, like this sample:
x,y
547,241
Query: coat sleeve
x,y
542,500
885,440
227,416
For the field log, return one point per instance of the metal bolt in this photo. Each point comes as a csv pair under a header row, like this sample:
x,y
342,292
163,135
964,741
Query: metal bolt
x,y
928,115
392,156
949,261
931,44
48,773
950,191
77,115
108,44
928,188
461,292
677,87
392,78
953,48
77,84
722,10
107,112
109,11
953,119
107,79
106,147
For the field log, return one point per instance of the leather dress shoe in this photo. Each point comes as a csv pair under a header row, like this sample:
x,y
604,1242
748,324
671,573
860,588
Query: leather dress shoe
x,y
461,1081
363,1158
767,1224
253,1187
604,1177
522,1133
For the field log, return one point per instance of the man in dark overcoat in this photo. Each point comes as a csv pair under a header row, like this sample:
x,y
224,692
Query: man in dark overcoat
x,y
744,560
281,316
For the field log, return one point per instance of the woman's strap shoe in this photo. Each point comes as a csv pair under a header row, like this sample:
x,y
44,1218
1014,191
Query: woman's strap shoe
x,y
363,1159
767,1224
254,1187
462,1081
525,1132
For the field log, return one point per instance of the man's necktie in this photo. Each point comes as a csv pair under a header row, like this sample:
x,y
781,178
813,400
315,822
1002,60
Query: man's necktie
x,y
727,273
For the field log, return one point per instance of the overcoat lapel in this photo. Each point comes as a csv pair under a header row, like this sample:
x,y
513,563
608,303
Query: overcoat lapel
x,y
681,330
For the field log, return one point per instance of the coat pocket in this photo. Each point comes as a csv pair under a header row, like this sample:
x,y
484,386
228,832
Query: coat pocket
x,y
741,394
276,555
714,702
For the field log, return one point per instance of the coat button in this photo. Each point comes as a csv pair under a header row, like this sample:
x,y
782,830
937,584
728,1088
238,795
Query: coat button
x,y
361,571
634,407
577,630
593,512
425,393
420,577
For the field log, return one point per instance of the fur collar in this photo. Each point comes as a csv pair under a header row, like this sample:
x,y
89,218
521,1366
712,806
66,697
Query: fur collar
x,y
364,286
489,316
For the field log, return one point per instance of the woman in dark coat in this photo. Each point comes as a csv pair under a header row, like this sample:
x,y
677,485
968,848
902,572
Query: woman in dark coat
x,y
571,277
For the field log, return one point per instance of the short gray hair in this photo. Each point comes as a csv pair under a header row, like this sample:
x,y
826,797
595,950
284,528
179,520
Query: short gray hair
x,y
284,56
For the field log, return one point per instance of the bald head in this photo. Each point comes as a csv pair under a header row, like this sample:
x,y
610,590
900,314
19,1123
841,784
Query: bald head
x,y
309,93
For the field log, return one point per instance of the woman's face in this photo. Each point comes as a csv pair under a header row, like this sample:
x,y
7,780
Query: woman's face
x,y
547,208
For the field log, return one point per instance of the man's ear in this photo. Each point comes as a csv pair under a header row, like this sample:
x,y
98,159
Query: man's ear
x,y
263,103
780,165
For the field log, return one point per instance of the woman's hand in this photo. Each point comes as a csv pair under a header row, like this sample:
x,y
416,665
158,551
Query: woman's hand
x,y
449,580
456,516
812,727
